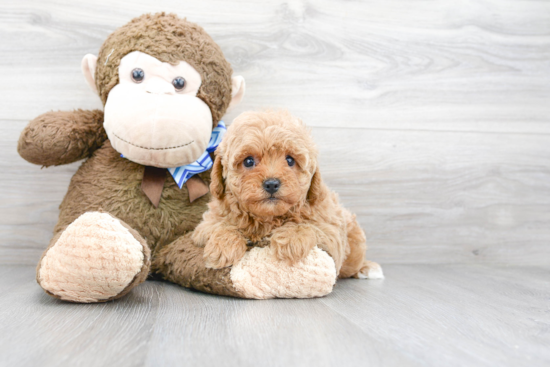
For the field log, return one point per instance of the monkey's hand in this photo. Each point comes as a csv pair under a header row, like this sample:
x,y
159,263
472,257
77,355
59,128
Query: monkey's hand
x,y
293,242
224,248
62,137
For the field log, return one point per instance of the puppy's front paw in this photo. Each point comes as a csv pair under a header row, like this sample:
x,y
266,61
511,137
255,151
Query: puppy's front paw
x,y
293,242
202,233
224,249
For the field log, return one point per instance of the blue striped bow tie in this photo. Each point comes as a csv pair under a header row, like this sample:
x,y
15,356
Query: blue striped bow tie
x,y
182,173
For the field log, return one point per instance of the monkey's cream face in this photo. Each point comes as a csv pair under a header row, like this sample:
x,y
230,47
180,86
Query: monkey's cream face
x,y
153,116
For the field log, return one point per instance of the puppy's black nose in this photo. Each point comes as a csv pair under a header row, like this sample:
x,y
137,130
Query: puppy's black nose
x,y
272,185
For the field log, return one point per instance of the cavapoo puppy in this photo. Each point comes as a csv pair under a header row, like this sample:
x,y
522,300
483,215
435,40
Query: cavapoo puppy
x,y
266,184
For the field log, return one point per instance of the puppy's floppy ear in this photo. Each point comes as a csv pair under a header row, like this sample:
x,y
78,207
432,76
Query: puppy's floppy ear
x,y
316,190
217,185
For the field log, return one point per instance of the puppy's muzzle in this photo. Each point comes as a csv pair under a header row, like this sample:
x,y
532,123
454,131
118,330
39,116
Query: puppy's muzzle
x,y
271,185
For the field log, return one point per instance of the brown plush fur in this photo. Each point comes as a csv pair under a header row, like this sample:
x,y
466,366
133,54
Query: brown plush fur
x,y
182,262
169,39
105,181
304,212
113,184
62,137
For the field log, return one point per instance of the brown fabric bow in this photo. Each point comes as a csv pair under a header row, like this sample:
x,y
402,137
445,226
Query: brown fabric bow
x,y
153,183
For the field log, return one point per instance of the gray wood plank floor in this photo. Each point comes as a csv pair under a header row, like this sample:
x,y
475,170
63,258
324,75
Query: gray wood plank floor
x,y
420,315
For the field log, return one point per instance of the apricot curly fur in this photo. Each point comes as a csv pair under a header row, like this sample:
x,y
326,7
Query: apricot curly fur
x,y
303,213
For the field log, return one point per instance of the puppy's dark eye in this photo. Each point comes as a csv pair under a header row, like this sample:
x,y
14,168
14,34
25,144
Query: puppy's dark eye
x,y
249,162
138,75
290,160
178,83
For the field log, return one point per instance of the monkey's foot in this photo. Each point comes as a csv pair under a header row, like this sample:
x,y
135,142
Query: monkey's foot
x,y
259,275
97,258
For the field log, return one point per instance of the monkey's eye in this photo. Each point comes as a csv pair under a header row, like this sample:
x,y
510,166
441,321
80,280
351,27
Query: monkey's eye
x,y
138,75
290,160
249,162
178,83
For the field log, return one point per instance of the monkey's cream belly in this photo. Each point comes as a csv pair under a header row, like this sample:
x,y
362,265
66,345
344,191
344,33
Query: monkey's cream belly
x,y
157,130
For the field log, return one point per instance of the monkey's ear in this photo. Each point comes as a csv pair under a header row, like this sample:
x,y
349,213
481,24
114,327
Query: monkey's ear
x,y
217,184
316,190
88,65
237,90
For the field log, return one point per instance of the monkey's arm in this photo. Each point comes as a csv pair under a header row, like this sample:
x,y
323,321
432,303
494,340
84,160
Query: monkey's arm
x,y
62,137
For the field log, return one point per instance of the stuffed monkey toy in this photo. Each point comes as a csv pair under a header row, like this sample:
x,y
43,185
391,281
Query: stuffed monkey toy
x,y
165,85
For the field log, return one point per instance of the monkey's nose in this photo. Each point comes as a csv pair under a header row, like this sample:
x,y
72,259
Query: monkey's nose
x,y
158,86
272,185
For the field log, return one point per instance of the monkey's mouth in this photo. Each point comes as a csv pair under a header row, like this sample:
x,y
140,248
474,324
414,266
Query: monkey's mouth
x,y
151,148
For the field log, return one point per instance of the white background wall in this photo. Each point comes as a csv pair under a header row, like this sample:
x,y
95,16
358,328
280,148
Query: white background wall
x,y
432,117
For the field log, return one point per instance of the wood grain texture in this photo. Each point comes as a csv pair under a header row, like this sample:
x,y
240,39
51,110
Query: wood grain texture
x,y
422,197
420,315
435,65
447,315
39,330
432,117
